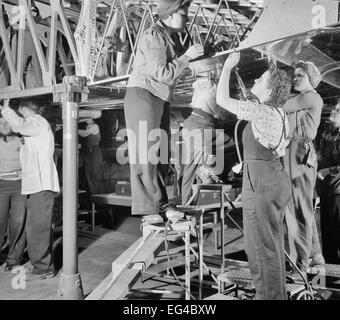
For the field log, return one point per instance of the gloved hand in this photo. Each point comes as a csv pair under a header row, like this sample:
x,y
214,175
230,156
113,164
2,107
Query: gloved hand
x,y
194,51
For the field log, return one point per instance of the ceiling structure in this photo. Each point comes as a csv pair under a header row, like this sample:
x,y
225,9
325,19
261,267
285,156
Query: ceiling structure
x,y
97,39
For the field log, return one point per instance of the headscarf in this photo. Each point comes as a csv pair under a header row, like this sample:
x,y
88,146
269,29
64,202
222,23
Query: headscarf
x,y
312,71
166,8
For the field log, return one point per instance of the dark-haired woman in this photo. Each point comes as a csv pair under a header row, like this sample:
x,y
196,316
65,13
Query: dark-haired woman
x,y
266,186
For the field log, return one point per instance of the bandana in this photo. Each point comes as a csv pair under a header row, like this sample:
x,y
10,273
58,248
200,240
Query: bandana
x,y
312,71
166,8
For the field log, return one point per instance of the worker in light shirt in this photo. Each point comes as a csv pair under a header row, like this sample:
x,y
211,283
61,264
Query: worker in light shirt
x,y
39,182
199,134
12,202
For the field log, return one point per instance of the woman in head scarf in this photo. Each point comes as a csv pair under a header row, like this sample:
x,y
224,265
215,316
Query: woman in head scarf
x,y
304,114
157,66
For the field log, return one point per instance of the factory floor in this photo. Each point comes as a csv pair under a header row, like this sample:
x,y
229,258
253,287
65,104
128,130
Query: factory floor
x,y
99,248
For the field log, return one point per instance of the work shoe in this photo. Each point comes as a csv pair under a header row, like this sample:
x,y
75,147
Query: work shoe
x,y
174,215
317,265
35,274
9,267
316,269
153,219
166,207
166,212
317,260
170,212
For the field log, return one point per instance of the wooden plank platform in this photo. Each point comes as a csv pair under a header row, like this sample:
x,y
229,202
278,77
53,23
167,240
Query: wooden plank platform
x,y
219,296
97,293
147,254
112,199
123,285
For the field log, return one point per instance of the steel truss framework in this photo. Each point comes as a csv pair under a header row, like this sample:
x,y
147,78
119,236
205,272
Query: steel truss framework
x,y
42,41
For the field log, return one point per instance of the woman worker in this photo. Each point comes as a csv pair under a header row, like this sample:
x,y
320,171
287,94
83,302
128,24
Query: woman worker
x,y
156,68
300,162
266,186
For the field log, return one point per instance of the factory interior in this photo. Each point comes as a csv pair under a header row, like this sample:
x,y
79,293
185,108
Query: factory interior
x,y
74,59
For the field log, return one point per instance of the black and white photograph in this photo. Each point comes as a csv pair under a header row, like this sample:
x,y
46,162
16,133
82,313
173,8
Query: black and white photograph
x,y
169,155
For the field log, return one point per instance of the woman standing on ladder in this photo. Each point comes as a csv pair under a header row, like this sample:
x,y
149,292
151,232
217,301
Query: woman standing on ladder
x,y
156,68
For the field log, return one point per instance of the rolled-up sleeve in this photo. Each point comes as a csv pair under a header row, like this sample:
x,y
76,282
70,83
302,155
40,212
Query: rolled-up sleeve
x,y
92,129
154,48
27,127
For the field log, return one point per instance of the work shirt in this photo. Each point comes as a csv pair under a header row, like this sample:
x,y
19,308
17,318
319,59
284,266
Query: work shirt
x,y
91,136
269,125
156,66
36,156
204,97
304,122
10,168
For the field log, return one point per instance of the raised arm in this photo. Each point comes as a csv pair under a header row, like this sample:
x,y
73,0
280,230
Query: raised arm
x,y
223,98
307,100
27,127
92,129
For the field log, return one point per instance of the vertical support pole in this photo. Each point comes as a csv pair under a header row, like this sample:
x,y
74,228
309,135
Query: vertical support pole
x,y
187,264
200,293
70,286
215,213
222,230
93,216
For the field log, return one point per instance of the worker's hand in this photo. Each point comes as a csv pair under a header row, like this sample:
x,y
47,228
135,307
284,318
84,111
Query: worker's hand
x,y
195,51
233,59
5,103
323,173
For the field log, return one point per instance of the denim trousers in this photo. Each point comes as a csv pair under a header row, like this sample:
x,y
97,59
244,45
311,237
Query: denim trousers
x,y
196,153
13,216
39,230
265,195
144,113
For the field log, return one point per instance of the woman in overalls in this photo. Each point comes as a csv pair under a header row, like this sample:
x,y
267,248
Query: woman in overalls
x,y
266,186
300,162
